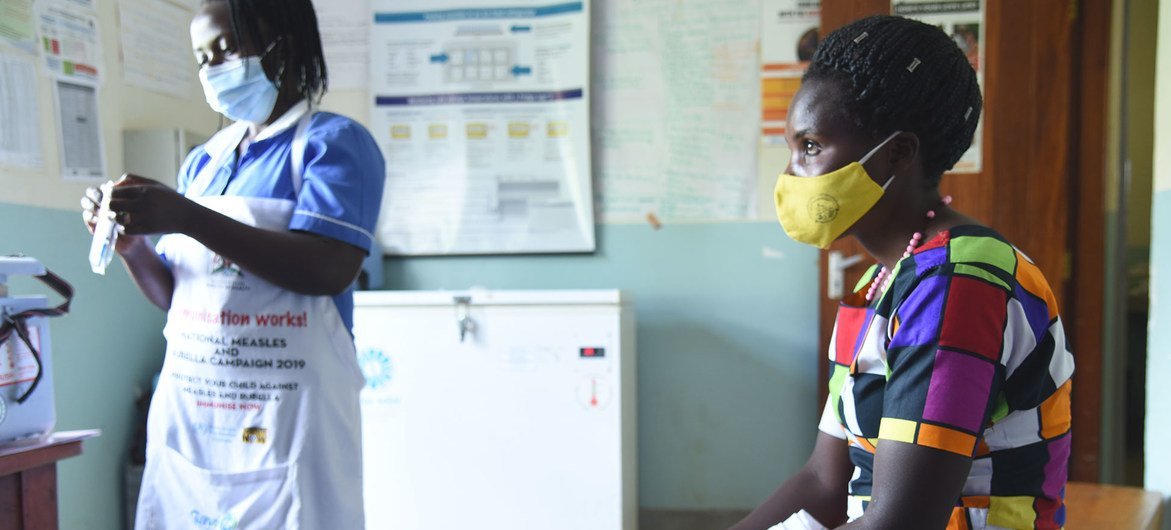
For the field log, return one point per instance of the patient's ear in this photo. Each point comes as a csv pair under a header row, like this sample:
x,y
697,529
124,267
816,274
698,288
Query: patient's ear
x,y
903,151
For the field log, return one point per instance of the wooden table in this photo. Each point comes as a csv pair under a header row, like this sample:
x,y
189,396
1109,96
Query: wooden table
x,y
28,480
1107,507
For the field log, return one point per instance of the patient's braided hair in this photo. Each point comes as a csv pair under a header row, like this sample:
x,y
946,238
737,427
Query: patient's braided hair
x,y
903,75
261,22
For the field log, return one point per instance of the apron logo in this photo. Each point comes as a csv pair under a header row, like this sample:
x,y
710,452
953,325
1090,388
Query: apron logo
x,y
222,265
213,433
376,367
255,435
227,522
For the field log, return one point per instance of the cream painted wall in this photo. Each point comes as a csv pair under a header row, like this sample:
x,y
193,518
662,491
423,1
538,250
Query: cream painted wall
x,y
122,107
1162,147
353,104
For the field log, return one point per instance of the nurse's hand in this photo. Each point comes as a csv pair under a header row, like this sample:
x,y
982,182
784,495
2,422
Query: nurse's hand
x,y
144,206
90,202
150,274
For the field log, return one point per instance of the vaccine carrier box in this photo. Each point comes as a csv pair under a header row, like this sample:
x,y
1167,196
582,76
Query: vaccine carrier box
x,y
32,420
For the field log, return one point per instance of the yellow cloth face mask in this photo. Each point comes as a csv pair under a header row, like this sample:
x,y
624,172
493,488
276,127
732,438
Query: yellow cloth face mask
x,y
818,210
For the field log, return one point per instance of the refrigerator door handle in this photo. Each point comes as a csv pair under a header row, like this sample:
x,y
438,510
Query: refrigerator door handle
x,y
463,319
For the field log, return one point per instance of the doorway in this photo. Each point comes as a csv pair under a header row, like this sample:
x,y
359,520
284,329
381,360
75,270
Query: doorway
x,y
1128,239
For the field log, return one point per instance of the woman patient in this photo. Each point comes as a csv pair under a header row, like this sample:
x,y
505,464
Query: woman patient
x,y
950,372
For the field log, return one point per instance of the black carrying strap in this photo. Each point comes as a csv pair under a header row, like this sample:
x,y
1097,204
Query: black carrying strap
x,y
16,322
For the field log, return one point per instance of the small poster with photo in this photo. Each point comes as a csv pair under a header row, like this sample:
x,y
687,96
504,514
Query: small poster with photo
x,y
964,20
788,38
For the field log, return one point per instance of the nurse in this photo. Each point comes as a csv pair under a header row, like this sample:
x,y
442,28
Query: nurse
x,y
255,420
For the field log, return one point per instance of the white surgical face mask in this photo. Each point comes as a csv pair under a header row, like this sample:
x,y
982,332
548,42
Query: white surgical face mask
x,y
239,89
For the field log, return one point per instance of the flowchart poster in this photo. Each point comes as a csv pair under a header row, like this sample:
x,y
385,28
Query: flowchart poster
x,y
482,114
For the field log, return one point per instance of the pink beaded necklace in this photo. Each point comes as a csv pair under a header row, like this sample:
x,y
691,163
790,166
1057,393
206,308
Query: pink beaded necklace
x,y
884,278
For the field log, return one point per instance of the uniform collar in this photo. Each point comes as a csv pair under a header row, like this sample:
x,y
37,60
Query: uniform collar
x,y
287,120
224,143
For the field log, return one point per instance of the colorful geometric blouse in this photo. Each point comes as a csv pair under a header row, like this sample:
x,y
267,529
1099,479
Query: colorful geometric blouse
x,y
964,353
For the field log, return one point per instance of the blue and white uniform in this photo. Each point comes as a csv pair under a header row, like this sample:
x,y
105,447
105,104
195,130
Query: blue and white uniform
x,y
343,178
255,422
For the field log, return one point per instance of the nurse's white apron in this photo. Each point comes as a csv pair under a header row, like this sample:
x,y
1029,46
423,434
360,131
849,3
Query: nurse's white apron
x,y
255,422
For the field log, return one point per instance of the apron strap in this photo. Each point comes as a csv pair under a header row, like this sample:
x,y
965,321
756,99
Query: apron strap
x,y
300,140
224,143
17,322
219,148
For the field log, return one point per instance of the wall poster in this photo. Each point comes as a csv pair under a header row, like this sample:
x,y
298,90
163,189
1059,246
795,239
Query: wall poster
x,y
482,113
965,21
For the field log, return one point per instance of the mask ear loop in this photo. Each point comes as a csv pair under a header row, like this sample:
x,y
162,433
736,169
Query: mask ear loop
x,y
875,150
877,147
280,73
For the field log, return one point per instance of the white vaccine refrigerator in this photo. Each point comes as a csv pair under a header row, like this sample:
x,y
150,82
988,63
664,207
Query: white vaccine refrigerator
x,y
498,410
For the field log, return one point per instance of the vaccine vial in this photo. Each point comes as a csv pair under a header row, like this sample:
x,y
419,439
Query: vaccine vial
x,y
101,249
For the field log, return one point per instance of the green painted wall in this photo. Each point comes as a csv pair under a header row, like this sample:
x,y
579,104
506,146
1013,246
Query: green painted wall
x,y
1158,429
727,347
104,352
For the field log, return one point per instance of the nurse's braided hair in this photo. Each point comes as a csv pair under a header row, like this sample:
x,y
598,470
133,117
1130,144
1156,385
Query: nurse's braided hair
x,y
904,75
261,22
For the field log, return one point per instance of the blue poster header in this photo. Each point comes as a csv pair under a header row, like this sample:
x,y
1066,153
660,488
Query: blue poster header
x,y
483,98
484,13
